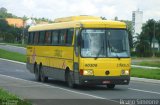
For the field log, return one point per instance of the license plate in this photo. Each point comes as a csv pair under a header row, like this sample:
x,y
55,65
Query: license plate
x,y
106,82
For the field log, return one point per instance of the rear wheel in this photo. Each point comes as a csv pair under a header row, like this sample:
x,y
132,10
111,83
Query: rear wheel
x,y
37,73
110,86
42,75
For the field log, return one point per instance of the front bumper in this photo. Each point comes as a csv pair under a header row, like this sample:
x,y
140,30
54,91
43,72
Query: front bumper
x,y
103,80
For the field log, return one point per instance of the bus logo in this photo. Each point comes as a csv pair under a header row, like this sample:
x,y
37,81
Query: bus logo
x,y
122,65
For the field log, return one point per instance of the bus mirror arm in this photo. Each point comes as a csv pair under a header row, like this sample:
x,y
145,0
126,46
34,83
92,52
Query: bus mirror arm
x,y
79,40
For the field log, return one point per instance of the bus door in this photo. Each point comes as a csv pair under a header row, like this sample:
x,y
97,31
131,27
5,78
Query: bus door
x,y
76,56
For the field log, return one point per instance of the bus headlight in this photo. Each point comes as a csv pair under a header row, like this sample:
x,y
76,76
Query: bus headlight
x,y
125,72
88,72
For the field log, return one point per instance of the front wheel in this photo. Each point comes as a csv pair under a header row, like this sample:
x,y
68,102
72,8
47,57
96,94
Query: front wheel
x,y
110,86
70,81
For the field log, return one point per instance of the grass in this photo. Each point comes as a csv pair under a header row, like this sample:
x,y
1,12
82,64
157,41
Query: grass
x,y
12,56
10,99
149,63
146,73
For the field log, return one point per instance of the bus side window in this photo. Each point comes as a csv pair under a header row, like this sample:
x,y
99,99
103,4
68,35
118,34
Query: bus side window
x,y
62,37
30,37
36,36
69,36
48,37
41,38
55,37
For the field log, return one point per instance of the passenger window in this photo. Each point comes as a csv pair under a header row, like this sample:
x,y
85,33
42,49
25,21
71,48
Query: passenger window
x,y
54,37
69,37
36,36
48,38
41,38
62,37
30,38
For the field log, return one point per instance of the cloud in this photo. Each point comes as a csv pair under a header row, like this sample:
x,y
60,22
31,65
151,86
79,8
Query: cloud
x,y
107,8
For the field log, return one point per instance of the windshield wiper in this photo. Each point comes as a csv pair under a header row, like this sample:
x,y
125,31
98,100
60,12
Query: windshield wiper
x,y
98,53
111,50
117,56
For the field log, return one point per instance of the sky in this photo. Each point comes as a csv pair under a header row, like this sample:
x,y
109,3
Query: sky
x,y
109,9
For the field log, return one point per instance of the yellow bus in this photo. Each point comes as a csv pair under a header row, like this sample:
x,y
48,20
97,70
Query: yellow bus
x,y
81,50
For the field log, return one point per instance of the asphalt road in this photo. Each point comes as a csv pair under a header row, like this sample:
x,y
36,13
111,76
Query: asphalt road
x,y
21,50
15,78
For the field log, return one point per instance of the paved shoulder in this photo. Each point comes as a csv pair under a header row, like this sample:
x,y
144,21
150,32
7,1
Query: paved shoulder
x,y
21,50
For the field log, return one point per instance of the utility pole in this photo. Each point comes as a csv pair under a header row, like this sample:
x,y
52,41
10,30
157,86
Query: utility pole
x,y
23,36
154,40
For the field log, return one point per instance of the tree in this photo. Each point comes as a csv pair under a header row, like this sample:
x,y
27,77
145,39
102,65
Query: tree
x,y
5,14
143,48
3,25
103,18
3,10
3,28
130,33
9,33
148,30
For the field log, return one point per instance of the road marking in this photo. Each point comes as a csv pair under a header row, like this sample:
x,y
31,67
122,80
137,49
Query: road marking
x,y
144,91
144,82
19,85
145,67
98,97
18,70
12,61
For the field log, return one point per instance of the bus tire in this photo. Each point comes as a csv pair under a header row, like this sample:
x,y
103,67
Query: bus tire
x,y
70,81
110,86
42,75
37,73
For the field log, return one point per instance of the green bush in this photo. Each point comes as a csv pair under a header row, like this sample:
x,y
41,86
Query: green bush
x,y
157,54
141,54
133,54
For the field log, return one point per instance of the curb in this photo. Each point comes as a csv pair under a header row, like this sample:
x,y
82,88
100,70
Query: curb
x,y
145,80
145,67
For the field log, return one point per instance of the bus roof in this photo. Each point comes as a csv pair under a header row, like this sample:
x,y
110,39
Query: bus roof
x,y
76,18
75,22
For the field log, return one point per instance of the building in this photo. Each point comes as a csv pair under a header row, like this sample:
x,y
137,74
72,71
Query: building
x,y
15,22
30,22
155,45
137,21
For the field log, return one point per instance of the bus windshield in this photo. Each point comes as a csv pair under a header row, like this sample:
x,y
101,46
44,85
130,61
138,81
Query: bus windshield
x,y
104,43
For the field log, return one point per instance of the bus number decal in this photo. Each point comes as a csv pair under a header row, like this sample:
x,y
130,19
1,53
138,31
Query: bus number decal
x,y
90,65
